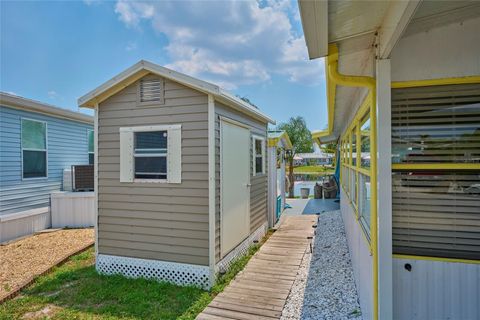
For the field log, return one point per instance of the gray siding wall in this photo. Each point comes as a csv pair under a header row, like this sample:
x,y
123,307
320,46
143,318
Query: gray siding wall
x,y
258,190
160,221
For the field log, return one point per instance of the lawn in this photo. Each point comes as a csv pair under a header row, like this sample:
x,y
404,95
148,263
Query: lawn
x,y
314,170
76,291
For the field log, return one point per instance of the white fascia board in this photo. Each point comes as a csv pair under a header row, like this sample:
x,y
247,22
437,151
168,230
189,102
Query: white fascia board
x,y
395,22
17,102
314,16
230,100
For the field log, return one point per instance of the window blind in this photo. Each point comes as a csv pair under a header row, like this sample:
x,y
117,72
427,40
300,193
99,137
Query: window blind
x,y
436,212
436,124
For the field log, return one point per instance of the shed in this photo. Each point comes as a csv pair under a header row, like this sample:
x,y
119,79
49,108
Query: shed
x,y
181,177
278,145
38,141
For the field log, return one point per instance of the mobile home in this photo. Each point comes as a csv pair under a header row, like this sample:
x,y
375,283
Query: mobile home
x,y
181,177
403,89
37,142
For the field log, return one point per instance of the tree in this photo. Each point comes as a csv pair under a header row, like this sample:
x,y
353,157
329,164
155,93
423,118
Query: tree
x,y
301,139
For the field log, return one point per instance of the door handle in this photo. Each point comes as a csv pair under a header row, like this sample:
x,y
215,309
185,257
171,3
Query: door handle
x,y
248,185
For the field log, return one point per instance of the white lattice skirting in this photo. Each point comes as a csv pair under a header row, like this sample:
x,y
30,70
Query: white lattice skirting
x,y
178,273
241,249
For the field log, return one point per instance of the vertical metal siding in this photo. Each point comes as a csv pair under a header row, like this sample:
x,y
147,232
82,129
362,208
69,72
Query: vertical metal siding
x,y
436,290
67,145
361,258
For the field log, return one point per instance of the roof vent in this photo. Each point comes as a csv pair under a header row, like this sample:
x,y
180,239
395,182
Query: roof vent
x,y
151,90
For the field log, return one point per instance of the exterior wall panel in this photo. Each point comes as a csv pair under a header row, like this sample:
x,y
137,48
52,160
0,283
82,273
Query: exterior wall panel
x,y
160,221
259,188
361,259
435,290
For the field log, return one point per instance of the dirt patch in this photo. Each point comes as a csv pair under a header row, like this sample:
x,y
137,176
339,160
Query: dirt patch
x,y
46,312
22,260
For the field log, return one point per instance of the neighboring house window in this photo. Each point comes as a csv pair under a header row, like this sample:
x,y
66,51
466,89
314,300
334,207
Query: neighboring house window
x,y
151,154
91,147
34,148
258,155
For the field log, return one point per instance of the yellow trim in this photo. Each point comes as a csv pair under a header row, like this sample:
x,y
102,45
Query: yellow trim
x,y
435,166
272,142
435,82
406,256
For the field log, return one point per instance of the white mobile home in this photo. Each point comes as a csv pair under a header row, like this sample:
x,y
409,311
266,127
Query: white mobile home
x,y
403,88
181,181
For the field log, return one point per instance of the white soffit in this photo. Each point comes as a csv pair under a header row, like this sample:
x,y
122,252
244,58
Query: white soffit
x,y
432,14
315,26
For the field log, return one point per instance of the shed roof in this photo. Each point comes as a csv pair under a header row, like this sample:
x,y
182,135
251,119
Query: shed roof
x,y
143,68
275,136
18,102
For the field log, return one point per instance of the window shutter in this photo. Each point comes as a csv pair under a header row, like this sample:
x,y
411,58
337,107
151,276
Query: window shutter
x,y
126,156
174,166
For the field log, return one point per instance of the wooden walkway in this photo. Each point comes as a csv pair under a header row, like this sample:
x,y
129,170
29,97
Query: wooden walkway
x,y
261,289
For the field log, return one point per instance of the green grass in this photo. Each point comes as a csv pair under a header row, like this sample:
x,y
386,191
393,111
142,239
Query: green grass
x,y
321,170
76,291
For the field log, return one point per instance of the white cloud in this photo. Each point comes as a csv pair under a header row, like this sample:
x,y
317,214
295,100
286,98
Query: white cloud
x,y
52,94
230,43
131,46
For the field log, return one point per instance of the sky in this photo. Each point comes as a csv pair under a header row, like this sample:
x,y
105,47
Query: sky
x,y
57,51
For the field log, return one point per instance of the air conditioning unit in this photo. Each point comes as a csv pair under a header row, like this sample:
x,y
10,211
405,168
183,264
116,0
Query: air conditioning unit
x,y
83,177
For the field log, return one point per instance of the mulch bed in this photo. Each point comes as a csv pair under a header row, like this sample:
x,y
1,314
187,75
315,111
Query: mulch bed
x,y
24,260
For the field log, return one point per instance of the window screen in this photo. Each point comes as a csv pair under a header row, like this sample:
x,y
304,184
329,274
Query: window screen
x,y
436,212
150,155
436,124
365,141
34,148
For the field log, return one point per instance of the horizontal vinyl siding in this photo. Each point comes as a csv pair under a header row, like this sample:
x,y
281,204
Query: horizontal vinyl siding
x,y
258,190
157,221
67,145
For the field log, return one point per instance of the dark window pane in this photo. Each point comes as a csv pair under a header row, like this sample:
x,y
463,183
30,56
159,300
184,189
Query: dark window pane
x,y
151,167
258,165
34,164
91,158
258,147
154,140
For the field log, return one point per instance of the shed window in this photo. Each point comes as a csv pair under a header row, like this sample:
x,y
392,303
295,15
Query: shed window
x,y
259,155
91,148
151,154
34,148
436,164
151,91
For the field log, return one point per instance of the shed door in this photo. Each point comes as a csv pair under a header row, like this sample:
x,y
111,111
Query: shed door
x,y
235,185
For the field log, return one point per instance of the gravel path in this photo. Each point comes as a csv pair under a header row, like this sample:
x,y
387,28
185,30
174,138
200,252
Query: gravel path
x,y
26,258
325,287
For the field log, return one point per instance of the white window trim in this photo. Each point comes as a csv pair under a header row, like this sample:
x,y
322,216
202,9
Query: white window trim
x,y
88,142
150,129
254,155
30,149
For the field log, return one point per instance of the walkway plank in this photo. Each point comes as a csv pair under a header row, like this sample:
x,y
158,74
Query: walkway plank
x,y
261,289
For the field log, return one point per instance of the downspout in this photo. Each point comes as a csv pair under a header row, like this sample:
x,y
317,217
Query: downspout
x,y
337,79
